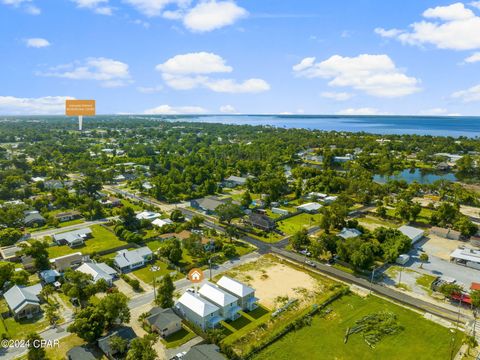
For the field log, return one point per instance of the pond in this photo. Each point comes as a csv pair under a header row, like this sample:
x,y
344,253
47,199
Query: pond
x,y
417,175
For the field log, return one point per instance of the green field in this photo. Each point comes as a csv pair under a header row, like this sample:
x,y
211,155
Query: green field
x,y
179,338
146,275
324,339
102,239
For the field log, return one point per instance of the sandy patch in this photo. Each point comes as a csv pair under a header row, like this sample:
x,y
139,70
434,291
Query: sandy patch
x,y
470,211
279,280
440,247
124,288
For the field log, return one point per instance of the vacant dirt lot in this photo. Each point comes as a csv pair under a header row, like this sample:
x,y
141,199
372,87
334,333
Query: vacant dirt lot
x,y
440,247
272,279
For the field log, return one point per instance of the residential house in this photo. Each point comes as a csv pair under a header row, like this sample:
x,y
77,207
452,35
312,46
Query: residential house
x,y
28,263
466,256
204,352
33,218
49,276
244,293
98,271
148,215
279,211
68,216
128,260
123,332
80,353
348,233
68,261
261,221
73,238
111,202
446,233
310,208
163,321
413,233
11,253
198,310
53,184
233,181
207,204
330,199
227,303
24,301
161,222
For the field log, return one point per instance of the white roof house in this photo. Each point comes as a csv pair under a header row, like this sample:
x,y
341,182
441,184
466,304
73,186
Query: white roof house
x,y
348,233
309,207
216,295
330,199
413,233
18,297
98,271
133,258
466,254
235,287
72,238
197,304
148,215
162,222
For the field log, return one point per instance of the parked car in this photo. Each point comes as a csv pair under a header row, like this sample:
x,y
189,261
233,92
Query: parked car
x,y
305,252
311,263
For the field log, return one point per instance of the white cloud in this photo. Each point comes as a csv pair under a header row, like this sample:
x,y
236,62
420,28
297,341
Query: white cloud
x,y
48,105
26,5
37,42
437,112
469,95
338,96
110,73
150,89
228,109
194,63
475,4
473,58
152,8
98,6
172,110
360,111
452,27
231,86
211,15
193,70
376,75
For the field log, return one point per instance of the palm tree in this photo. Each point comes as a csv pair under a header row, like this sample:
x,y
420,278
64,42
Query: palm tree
x,y
423,259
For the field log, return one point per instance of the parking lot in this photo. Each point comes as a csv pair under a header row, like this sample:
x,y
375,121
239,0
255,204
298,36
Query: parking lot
x,y
440,266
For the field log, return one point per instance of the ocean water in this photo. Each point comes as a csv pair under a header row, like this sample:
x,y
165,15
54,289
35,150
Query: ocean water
x,y
420,125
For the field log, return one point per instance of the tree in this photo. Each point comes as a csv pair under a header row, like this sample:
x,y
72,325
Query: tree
x,y
299,240
196,221
129,219
35,350
471,342
232,232
51,314
78,285
166,289
114,308
141,349
177,216
228,211
465,226
89,324
11,216
402,209
46,291
382,212
6,272
423,258
415,210
229,250
246,199
20,277
475,296
38,251
9,236
450,289
118,345
326,220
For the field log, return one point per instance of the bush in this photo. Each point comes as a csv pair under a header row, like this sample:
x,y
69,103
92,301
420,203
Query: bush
x,y
134,283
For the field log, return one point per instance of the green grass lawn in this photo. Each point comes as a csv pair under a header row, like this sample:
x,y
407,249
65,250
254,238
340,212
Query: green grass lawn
x,y
239,323
65,344
296,223
423,217
147,276
71,222
18,329
102,239
377,221
178,338
324,339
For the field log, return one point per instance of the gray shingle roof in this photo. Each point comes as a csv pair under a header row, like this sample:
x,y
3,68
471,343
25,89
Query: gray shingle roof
x,y
126,258
162,318
72,236
204,352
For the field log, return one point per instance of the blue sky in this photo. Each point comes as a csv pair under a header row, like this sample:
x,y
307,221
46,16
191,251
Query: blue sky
x,y
268,56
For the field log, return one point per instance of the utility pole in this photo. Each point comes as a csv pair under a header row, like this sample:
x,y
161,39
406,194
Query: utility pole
x,y
154,290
